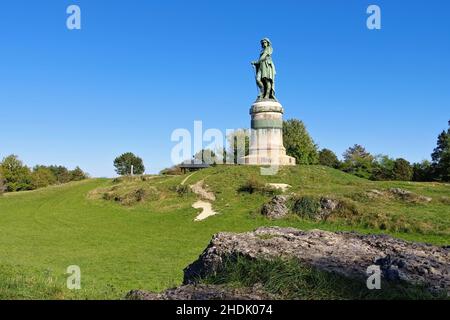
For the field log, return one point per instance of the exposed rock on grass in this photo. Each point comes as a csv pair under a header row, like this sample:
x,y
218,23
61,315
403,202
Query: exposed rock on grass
x,y
343,253
319,209
276,208
202,292
399,194
283,187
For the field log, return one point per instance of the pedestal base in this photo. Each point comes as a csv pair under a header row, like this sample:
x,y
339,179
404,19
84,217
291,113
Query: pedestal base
x,y
266,138
280,160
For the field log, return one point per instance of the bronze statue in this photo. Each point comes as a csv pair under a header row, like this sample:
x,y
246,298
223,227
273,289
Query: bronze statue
x,y
265,72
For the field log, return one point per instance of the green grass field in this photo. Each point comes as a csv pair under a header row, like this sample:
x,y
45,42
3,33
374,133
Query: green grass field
x,y
147,245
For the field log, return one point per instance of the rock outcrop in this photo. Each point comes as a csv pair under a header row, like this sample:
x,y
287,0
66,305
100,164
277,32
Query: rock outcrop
x,y
345,253
399,194
202,292
276,208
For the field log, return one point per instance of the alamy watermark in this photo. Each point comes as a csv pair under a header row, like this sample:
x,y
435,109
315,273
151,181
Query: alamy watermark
x,y
374,279
73,22
74,278
374,20
213,146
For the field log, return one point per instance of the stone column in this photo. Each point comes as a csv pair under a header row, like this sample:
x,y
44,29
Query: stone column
x,y
266,137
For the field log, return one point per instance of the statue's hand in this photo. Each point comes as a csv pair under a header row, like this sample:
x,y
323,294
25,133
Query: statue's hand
x,y
254,63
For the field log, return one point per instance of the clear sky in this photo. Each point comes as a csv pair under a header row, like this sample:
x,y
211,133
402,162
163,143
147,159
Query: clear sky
x,y
139,69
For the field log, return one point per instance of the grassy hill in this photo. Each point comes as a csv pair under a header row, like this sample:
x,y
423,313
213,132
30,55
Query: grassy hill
x,y
140,233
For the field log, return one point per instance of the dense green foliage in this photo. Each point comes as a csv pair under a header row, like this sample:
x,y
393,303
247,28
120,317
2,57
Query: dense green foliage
x,y
423,171
42,177
128,161
298,142
328,158
402,170
441,156
15,176
358,161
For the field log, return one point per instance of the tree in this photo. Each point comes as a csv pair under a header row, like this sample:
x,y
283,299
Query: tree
x,y
383,168
328,158
61,173
2,184
358,161
77,174
423,171
298,142
441,156
403,170
16,175
42,177
124,162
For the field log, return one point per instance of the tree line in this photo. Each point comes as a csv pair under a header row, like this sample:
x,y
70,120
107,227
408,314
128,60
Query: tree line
x,y
358,161
16,176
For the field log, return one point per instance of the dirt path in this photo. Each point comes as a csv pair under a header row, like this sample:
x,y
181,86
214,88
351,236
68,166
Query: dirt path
x,y
206,212
186,179
206,198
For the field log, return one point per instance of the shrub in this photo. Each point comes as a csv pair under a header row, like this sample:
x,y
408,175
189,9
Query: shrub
x,y
182,190
402,170
306,207
42,177
328,158
423,171
77,174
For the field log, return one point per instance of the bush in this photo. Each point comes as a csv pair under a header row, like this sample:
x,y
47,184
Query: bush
x,y
383,168
402,170
423,171
61,173
328,158
183,190
77,174
42,177
306,207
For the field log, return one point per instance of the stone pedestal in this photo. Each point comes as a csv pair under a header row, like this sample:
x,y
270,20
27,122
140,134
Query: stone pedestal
x,y
266,137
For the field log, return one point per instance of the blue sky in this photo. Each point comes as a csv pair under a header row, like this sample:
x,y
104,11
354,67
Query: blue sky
x,y
139,69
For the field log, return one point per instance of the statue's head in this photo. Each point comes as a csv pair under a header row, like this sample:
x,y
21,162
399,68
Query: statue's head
x,y
265,43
